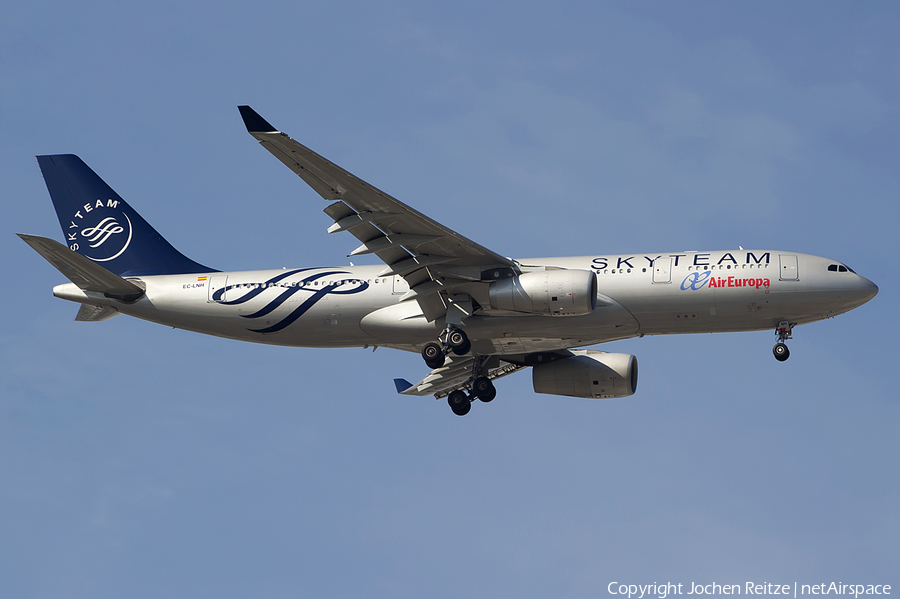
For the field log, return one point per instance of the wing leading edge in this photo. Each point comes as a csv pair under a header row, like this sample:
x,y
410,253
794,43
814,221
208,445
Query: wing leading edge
x,y
436,261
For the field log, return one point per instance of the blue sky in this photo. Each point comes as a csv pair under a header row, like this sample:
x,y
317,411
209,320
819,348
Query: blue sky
x,y
142,461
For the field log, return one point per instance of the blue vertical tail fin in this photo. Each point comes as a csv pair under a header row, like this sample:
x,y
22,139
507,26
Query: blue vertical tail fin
x,y
98,224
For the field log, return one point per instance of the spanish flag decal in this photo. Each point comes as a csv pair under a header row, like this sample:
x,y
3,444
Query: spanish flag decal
x,y
201,278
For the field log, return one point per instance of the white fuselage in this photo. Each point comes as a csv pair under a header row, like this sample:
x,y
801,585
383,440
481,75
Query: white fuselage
x,y
638,294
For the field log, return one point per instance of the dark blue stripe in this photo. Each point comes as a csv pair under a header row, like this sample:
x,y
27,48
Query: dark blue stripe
x,y
300,311
217,296
309,303
268,308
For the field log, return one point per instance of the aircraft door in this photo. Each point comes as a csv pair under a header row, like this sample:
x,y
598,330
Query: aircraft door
x,y
662,270
400,285
788,265
217,283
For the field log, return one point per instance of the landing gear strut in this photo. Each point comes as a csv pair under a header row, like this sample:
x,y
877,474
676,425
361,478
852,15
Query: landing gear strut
x,y
781,350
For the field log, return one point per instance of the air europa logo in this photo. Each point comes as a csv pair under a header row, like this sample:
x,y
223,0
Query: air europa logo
x,y
102,232
699,280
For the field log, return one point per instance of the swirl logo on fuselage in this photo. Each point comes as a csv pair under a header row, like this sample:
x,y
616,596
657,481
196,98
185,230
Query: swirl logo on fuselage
x,y
254,290
105,240
696,280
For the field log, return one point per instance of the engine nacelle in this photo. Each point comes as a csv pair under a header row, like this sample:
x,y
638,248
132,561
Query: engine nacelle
x,y
547,292
588,374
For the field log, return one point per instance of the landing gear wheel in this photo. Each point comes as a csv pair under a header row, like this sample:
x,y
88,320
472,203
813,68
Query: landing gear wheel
x,y
433,355
482,387
781,352
456,338
459,403
490,396
463,349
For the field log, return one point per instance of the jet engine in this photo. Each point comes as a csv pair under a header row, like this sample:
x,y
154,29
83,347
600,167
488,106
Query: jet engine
x,y
588,374
548,292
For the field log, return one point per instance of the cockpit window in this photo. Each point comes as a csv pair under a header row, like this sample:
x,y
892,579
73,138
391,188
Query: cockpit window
x,y
840,268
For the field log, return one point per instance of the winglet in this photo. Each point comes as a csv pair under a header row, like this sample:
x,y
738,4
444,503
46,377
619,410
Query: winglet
x,y
254,122
402,385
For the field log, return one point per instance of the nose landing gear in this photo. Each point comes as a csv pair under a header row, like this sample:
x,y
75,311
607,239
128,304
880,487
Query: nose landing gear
x,y
781,350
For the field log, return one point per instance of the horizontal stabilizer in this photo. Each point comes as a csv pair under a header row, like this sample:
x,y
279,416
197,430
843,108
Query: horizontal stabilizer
x,y
87,275
91,313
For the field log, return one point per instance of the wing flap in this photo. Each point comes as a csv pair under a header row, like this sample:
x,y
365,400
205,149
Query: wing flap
x,y
455,374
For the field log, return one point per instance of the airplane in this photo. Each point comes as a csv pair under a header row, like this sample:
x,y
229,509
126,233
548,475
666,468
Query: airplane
x,y
474,315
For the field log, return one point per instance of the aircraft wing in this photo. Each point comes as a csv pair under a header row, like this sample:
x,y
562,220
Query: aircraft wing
x,y
455,374
433,259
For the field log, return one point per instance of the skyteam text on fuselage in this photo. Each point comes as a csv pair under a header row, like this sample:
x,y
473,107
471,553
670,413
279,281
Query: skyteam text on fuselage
x,y
474,315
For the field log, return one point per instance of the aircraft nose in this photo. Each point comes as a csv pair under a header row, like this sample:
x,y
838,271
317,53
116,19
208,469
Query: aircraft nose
x,y
865,290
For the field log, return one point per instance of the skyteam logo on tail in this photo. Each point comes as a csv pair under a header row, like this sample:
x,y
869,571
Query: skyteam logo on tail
x,y
100,231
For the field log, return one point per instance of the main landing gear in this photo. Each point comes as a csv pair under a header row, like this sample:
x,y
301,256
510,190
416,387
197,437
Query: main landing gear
x,y
781,350
482,388
451,340
479,386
